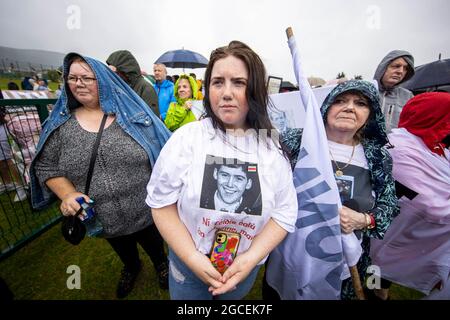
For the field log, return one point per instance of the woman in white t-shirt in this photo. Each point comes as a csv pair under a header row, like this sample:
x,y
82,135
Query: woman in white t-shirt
x,y
226,172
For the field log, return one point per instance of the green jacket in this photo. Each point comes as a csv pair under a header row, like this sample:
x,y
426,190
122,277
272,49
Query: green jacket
x,y
129,70
177,114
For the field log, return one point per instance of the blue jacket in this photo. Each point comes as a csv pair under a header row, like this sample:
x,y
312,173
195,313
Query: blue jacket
x,y
116,97
164,90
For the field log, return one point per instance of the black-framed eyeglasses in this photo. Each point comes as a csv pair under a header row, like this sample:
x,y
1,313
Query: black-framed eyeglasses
x,y
84,80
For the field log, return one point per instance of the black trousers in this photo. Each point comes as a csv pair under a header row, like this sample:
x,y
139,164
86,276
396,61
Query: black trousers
x,y
149,239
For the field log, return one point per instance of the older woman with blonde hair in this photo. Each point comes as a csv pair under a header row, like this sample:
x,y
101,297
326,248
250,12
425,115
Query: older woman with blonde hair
x,y
180,112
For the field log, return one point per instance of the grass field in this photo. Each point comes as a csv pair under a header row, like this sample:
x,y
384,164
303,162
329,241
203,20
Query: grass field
x,y
38,271
17,221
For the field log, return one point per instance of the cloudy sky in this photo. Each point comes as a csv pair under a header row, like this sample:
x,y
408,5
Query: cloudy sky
x,y
333,35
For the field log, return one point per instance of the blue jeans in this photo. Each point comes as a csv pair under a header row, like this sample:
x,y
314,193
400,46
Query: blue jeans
x,y
185,285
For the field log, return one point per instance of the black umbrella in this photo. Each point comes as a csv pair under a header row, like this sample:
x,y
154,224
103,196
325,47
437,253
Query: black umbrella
x,y
433,74
183,59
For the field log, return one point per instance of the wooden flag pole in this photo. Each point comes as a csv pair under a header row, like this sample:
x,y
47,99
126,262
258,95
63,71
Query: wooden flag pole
x,y
356,280
289,32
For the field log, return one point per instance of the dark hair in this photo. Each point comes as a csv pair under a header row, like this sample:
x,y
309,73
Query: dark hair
x,y
256,91
74,58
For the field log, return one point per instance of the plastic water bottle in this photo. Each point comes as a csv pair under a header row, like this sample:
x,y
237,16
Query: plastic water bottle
x,y
93,225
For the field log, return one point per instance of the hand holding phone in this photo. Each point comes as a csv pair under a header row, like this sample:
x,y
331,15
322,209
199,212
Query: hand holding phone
x,y
224,249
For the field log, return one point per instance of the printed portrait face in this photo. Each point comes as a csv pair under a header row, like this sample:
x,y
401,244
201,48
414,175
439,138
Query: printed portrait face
x,y
231,183
278,120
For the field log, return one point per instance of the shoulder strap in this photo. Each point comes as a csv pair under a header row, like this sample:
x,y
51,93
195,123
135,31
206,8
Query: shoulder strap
x,y
94,155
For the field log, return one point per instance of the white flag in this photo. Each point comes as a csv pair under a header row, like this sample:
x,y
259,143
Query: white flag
x,y
309,263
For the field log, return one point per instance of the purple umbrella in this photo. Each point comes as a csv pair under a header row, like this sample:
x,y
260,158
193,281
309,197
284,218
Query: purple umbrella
x,y
183,59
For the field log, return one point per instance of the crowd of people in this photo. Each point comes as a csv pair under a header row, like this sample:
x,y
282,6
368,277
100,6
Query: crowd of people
x,y
164,175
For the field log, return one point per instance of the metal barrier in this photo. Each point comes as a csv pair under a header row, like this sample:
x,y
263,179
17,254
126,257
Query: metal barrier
x,y
19,133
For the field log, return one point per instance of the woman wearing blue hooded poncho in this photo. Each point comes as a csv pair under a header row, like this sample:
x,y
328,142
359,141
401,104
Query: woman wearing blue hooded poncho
x,y
131,141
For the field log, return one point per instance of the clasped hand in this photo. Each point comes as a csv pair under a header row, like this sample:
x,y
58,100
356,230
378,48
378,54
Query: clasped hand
x,y
218,283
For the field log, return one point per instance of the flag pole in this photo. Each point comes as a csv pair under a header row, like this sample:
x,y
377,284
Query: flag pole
x,y
356,280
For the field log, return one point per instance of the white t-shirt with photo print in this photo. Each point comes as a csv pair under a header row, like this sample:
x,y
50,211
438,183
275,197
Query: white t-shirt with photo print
x,y
184,169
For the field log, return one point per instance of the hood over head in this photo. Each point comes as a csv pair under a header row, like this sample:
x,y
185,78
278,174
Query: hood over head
x,y
427,116
192,82
374,131
126,64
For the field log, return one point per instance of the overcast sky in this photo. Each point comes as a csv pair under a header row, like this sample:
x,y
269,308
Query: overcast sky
x,y
333,35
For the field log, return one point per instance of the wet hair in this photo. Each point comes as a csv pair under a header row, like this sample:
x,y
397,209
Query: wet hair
x,y
256,91
73,59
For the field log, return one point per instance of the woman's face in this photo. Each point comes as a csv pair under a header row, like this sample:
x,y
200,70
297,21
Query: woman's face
x,y
348,113
83,84
227,92
184,89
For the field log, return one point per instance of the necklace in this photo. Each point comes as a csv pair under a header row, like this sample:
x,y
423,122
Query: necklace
x,y
339,172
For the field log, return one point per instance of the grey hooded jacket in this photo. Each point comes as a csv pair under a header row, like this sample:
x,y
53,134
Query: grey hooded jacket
x,y
393,99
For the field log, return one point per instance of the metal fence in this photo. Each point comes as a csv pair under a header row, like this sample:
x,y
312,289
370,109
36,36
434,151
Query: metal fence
x,y
19,133
14,66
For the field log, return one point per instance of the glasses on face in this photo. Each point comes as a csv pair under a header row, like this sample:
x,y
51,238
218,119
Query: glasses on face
x,y
84,80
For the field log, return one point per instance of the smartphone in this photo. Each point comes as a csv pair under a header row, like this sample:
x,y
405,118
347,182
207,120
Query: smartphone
x,y
224,249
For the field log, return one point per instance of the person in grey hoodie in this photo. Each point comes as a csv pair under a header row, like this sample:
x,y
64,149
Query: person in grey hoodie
x,y
126,66
395,68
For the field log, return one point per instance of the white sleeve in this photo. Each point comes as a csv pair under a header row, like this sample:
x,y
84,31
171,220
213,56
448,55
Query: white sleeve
x,y
171,168
285,212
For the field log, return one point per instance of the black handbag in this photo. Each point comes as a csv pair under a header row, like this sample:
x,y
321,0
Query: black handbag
x,y
72,228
